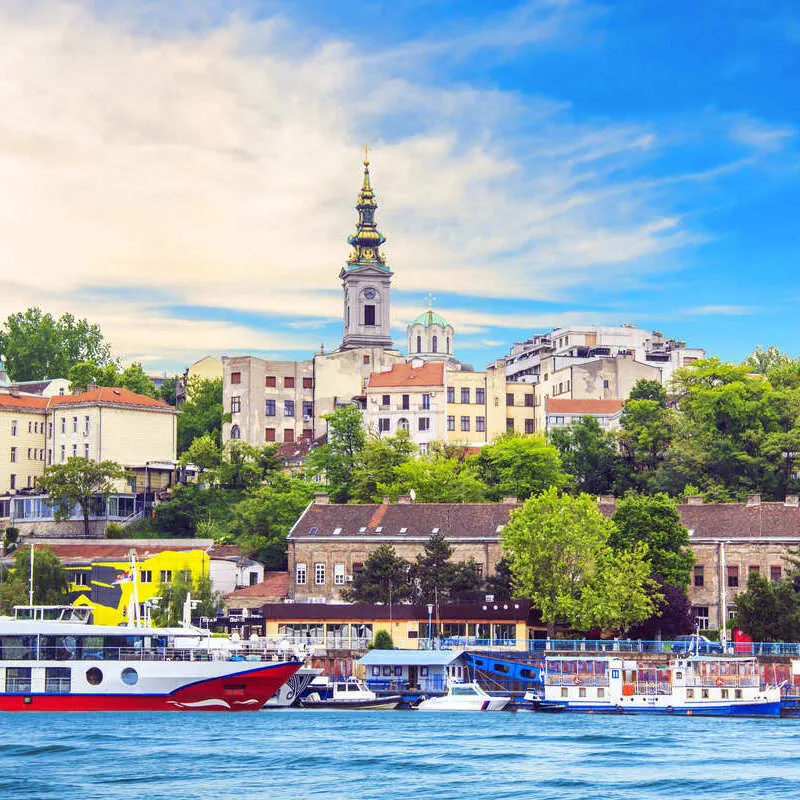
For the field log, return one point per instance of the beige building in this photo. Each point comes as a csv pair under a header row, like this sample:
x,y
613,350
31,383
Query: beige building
x,y
561,411
23,424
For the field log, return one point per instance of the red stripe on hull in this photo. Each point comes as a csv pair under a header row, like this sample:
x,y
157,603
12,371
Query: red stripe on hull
x,y
246,691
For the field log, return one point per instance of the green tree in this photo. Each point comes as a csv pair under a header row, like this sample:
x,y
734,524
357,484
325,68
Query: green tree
x,y
134,379
436,480
339,459
560,555
50,581
520,466
38,346
86,372
168,390
382,641
646,389
589,454
646,427
769,610
383,578
467,584
501,583
243,466
202,413
433,570
762,361
379,460
77,482
204,453
654,521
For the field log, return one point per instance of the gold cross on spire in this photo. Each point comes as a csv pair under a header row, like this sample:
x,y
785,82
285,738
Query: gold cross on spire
x,y
366,155
431,299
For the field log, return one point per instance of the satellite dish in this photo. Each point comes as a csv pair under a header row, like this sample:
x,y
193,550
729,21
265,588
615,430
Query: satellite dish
x,y
412,494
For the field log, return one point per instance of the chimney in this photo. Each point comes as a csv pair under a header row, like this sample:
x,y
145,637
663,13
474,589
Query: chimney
x,y
607,500
753,500
693,500
321,499
511,500
405,500
91,386
791,500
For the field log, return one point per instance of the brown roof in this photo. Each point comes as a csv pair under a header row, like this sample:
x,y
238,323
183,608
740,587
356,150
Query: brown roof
x,y
110,395
113,552
453,520
741,521
225,551
274,586
565,406
23,402
430,374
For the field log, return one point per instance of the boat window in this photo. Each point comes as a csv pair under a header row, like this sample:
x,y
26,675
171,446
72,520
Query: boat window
x,y
341,687
94,676
737,693
705,694
18,648
582,692
724,694
601,692
18,680
57,680
463,690
564,691
689,694
130,676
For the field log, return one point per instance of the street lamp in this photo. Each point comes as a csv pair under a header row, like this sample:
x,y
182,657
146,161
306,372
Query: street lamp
x,y
430,632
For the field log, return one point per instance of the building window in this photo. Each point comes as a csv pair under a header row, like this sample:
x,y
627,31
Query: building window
x,y
480,396
448,344
236,377
236,432
13,455
426,402
605,384
509,425
530,426
701,615
75,451
30,427
272,381
13,427
424,423
63,424
699,575
288,382
402,424
509,399
464,423
383,424
145,576
419,344
480,424
369,315
775,573
288,434
364,360
753,569
529,400
74,424
319,574
165,576
288,408
338,574
733,577
269,435
435,344
81,579
49,456
270,408
308,409
308,383
12,481
86,451
49,430
300,574
405,403
451,423
451,394
465,394
236,405
29,453
63,453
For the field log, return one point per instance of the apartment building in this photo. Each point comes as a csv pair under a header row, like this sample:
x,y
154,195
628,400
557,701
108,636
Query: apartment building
x,y
23,423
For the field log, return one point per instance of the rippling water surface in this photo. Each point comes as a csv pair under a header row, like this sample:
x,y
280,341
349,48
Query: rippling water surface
x,y
395,755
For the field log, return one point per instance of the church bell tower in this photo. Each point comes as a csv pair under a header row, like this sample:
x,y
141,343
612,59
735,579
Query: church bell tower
x,y
366,279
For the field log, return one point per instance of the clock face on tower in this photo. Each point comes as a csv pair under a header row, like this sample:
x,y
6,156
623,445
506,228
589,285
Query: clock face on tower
x,y
370,293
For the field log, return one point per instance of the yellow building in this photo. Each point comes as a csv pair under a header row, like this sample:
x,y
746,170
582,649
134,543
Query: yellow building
x,y
23,421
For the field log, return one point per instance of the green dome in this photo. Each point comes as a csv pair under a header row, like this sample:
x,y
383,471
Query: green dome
x,y
430,317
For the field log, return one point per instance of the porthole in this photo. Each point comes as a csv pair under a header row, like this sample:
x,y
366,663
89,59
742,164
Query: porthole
x,y
94,676
130,676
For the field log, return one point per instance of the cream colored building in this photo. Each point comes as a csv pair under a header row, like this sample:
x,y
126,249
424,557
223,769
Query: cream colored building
x,y
23,423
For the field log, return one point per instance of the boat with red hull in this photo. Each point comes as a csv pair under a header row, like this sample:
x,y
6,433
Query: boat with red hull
x,y
70,665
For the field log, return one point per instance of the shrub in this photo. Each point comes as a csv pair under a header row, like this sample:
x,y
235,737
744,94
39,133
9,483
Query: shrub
x,y
382,641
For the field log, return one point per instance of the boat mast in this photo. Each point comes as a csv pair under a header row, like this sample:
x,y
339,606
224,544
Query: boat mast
x,y
30,585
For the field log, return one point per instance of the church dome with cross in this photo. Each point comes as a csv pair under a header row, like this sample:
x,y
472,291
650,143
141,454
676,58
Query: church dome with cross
x,y
431,337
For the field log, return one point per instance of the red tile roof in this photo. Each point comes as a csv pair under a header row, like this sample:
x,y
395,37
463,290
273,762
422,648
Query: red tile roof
x,y
23,402
565,406
114,552
275,585
110,395
431,374
225,551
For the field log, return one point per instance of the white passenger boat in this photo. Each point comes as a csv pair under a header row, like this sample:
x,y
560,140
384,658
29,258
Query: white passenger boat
x,y
464,697
350,694
694,685
53,659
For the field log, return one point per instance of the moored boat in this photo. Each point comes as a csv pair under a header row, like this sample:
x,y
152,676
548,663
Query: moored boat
x,y
350,694
291,691
464,697
694,685
67,664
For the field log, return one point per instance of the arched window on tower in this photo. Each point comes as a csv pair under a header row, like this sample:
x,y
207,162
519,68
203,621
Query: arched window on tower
x,y
235,432
419,344
448,345
435,345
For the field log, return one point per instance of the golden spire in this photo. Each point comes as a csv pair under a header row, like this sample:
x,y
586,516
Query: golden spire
x,y
367,239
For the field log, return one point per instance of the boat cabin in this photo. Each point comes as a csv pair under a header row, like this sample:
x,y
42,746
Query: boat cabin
x,y
415,670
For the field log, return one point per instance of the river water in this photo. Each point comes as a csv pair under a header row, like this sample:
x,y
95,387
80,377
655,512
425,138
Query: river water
x,y
395,755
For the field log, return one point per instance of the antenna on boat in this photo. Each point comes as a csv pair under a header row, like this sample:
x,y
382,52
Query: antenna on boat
x,y
30,585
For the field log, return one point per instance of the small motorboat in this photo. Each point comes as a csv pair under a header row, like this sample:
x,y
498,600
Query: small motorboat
x,y
351,694
464,697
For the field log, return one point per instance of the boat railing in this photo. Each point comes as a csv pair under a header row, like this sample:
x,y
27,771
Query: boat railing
x,y
653,687
575,680
45,653
723,681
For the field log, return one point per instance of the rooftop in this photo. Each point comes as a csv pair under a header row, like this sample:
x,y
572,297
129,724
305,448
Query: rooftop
x,y
111,395
566,406
430,317
404,375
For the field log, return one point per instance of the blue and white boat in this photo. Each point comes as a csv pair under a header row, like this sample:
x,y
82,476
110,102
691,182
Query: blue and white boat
x,y
691,685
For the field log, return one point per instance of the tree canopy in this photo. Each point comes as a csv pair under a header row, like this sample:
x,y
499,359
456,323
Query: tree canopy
x,y
202,413
50,581
339,459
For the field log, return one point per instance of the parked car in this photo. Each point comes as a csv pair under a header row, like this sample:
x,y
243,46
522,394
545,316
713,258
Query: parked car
x,y
695,643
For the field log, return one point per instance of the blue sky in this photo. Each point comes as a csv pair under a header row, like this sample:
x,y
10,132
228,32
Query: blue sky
x,y
184,173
